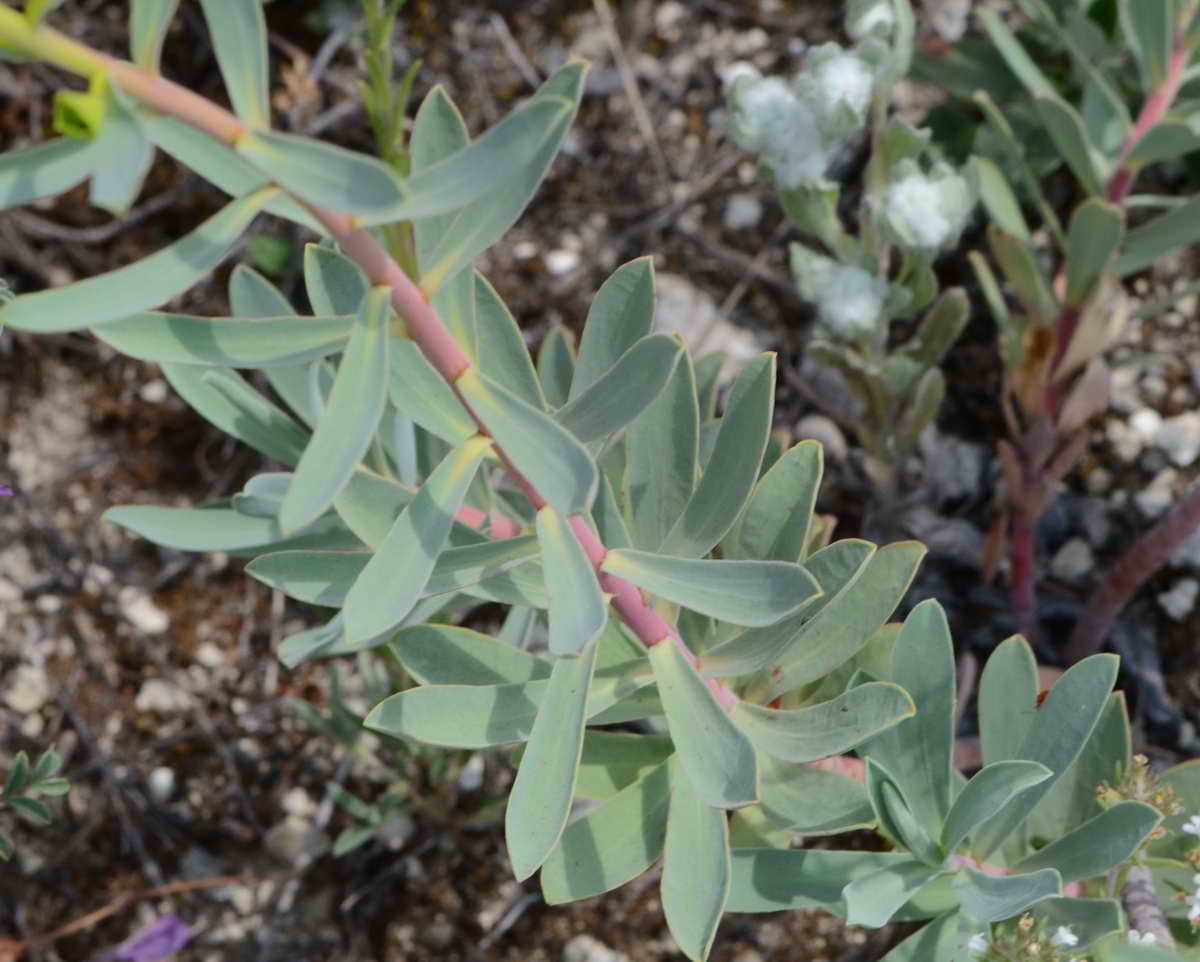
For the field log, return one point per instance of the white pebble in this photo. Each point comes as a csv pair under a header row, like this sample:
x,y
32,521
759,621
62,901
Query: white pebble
x,y
141,612
559,262
161,696
161,782
29,691
1180,600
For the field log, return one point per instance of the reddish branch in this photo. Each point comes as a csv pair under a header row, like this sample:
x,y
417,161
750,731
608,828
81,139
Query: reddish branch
x,y
1102,608
410,302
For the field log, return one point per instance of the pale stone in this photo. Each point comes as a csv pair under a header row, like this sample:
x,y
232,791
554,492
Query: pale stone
x,y
158,695
742,211
584,948
1180,600
29,689
1159,494
140,611
1073,561
1179,437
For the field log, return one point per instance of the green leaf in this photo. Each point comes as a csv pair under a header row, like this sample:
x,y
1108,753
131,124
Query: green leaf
x,y
6,848
696,868
351,417
578,609
1093,237
999,200
342,180
218,527
48,764
896,818
395,577
1061,728
445,654
155,278
988,792
920,751
716,754
33,809
1151,241
991,898
369,504
556,366
624,391
1008,695
506,154
1067,130
36,10
1098,845
239,36
478,716
44,171
121,156
419,392
438,132
612,760
1015,56
873,899
740,592
810,801
621,315
1089,919
81,113
558,465
503,355
148,24
485,219
732,469
611,844
943,940
52,786
540,799
353,837
829,728
836,568
851,616
707,372
227,341
775,524
1148,27
224,398
335,284
774,880
1164,141
215,162
18,776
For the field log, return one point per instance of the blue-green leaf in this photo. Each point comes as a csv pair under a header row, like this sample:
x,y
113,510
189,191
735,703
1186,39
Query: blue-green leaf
x,y
1149,27
445,654
621,315
696,869
578,610
1008,690
991,898
732,469
773,880
622,392
716,754
558,465
239,35
540,799
351,417
142,285
873,899
335,284
227,400
44,171
611,844
987,793
121,155
775,523
394,579
148,23
740,592
556,366
830,728
503,355
227,341
1098,845
419,392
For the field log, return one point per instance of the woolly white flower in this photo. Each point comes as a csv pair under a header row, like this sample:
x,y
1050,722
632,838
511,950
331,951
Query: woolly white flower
x,y
844,81
769,119
978,944
927,211
1192,825
868,16
1134,937
1193,904
1064,937
852,303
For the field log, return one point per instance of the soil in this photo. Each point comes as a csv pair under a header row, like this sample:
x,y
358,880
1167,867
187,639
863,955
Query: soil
x,y
152,671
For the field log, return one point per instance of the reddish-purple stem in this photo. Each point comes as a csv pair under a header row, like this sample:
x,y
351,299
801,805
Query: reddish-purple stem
x,y
1022,544
1143,559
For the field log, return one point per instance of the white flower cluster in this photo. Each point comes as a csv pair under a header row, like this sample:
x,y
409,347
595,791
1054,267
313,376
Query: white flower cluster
x,y
927,210
795,127
850,301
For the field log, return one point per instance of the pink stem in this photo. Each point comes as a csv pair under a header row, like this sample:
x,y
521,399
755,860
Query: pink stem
x,y
1022,561
424,325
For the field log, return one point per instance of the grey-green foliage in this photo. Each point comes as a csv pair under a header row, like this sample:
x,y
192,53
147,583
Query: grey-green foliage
x,y
969,855
396,506
913,207
24,783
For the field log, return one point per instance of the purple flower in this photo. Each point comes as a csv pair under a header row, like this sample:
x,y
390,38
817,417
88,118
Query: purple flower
x,y
159,940
5,491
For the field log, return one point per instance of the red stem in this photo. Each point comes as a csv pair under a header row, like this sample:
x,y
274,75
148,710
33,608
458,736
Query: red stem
x,y
1022,558
1140,563
423,322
